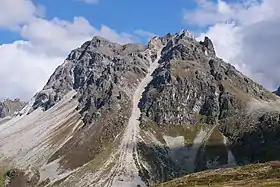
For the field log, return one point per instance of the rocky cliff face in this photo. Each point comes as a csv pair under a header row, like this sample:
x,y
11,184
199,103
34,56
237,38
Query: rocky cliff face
x,y
128,115
10,107
191,82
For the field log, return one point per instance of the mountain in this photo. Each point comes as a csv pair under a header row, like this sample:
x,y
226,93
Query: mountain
x,y
10,107
138,115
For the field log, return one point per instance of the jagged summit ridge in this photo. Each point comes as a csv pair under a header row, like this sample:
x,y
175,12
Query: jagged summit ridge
x,y
102,53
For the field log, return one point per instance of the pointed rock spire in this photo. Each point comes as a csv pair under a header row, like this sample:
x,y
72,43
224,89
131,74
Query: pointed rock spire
x,y
208,44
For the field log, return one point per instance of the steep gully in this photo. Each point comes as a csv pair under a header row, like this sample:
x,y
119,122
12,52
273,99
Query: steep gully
x,y
124,172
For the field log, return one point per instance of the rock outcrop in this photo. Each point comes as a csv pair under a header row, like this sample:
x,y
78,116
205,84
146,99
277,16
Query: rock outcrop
x,y
10,107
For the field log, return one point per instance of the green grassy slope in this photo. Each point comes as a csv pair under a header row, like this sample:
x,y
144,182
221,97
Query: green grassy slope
x,y
255,175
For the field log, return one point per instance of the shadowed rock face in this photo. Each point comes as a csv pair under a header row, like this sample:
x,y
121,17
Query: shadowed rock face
x,y
198,112
10,107
277,92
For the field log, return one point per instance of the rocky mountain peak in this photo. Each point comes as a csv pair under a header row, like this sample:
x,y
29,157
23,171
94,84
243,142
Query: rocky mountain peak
x,y
100,42
155,45
187,33
10,107
130,115
209,46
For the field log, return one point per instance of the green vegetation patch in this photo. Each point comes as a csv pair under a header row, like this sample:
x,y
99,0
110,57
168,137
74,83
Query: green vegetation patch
x,y
2,178
259,175
189,132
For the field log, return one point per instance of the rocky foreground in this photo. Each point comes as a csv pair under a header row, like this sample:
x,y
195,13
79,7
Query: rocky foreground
x,y
138,115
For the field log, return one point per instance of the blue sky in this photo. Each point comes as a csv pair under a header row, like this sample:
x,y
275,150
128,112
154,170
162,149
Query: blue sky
x,y
159,17
37,35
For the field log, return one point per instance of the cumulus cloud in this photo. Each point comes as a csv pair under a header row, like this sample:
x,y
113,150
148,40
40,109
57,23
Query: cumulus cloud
x,y
26,64
16,12
60,36
245,33
22,72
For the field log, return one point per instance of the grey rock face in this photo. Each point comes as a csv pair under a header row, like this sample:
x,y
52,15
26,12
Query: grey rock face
x,y
190,82
209,46
100,67
10,107
194,87
105,76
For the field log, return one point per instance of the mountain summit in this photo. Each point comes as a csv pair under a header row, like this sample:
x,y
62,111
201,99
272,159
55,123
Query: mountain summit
x,y
10,107
137,115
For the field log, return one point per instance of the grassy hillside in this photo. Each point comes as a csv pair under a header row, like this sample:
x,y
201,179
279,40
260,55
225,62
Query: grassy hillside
x,y
2,178
256,175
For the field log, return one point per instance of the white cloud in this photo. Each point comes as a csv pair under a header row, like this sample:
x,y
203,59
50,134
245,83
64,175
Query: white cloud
x,y
245,12
21,71
112,35
26,65
245,34
60,36
16,12
145,34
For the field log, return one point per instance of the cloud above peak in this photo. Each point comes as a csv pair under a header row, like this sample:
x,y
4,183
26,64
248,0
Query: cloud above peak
x,y
247,12
245,33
